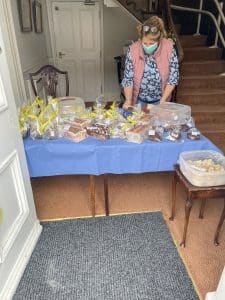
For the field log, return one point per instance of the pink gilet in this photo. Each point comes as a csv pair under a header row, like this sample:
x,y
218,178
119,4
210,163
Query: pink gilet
x,y
162,56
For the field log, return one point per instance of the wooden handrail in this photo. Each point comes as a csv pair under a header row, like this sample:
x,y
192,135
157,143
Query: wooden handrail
x,y
171,26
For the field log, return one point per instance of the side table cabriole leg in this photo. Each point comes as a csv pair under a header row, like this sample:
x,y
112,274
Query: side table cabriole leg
x,y
92,191
202,209
216,242
188,206
174,187
106,192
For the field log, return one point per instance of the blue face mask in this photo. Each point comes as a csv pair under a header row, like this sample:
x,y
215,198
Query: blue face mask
x,y
150,49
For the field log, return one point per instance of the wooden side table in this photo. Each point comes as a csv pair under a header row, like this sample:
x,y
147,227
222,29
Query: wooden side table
x,y
194,193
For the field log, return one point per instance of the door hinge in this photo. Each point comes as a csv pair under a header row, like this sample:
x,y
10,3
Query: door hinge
x,y
101,89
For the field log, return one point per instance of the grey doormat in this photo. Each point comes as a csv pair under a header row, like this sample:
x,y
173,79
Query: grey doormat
x,y
125,257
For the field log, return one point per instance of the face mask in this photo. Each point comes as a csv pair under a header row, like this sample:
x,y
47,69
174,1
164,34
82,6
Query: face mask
x,y
150,49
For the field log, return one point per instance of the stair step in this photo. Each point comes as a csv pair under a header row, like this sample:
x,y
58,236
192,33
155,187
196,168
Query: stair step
x,y
209,119
207,82
193,40
202,53
203,67
217,137
211,109
201,97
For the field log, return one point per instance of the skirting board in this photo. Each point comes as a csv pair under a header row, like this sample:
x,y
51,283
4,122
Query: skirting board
x,y
20,265
211,296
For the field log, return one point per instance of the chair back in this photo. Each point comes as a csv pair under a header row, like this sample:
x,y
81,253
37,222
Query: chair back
x,y
48,76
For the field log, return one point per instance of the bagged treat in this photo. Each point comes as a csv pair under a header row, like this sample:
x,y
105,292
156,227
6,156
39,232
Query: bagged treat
x,y
79,122
52,131
174,135
35,129
98,131
75,134
190,123
145,119
155,135
193,134
138,134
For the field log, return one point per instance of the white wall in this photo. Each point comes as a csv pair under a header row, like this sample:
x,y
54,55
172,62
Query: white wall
x,y
118,26
32,46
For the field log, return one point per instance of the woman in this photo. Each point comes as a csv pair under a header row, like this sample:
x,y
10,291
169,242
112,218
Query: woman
x,y
151,68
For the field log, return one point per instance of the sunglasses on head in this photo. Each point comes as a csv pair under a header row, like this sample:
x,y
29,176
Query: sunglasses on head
x,y
149,29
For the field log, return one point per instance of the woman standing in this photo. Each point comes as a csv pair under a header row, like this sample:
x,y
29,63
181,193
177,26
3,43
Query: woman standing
x,y
151,68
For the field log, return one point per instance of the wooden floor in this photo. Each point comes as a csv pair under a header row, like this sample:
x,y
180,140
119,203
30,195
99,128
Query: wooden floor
x,y
68,197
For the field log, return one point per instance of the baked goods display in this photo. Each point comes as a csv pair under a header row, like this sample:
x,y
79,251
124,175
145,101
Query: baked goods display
x,y
69,118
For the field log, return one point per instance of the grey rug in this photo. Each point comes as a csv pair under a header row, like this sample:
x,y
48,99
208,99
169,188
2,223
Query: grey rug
x,y
121,257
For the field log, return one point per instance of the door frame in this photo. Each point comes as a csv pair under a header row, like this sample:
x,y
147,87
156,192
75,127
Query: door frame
x,y
52,37
24,232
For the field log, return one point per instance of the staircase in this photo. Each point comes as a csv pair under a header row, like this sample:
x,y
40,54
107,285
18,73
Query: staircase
x,y
202,86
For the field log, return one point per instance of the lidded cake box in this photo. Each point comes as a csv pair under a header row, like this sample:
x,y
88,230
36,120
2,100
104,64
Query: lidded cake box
x,y
172,113
71,105
203,167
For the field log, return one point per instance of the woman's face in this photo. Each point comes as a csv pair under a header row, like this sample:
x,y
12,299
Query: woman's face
x,y
148,41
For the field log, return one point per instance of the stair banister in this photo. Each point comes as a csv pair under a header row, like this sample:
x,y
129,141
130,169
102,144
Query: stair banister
x,y
219,23
199,17
220,10
171,25
205,12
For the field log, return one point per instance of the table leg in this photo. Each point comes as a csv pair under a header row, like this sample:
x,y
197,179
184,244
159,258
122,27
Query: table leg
x,y
202,209
188,206
106,192
216,242
174,187
92,191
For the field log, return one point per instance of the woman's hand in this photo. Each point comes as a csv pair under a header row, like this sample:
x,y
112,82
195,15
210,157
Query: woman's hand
x,y
167,93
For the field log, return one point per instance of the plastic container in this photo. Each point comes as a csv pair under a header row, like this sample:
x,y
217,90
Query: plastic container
x,y
200,175
172,113
71,106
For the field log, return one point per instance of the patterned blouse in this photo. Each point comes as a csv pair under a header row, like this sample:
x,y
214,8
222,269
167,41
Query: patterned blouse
x,y
150,89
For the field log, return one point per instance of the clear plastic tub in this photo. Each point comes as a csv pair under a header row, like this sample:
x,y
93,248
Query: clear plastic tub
x,y
203,168
172,113
71,106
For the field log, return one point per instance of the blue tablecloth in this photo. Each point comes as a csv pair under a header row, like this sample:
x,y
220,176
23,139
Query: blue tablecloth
x,y
94,157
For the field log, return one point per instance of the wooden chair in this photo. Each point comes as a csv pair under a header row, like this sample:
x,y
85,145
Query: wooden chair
x,y
49,76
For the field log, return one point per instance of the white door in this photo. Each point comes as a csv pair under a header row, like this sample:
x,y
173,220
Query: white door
x,y
19,227
77,46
